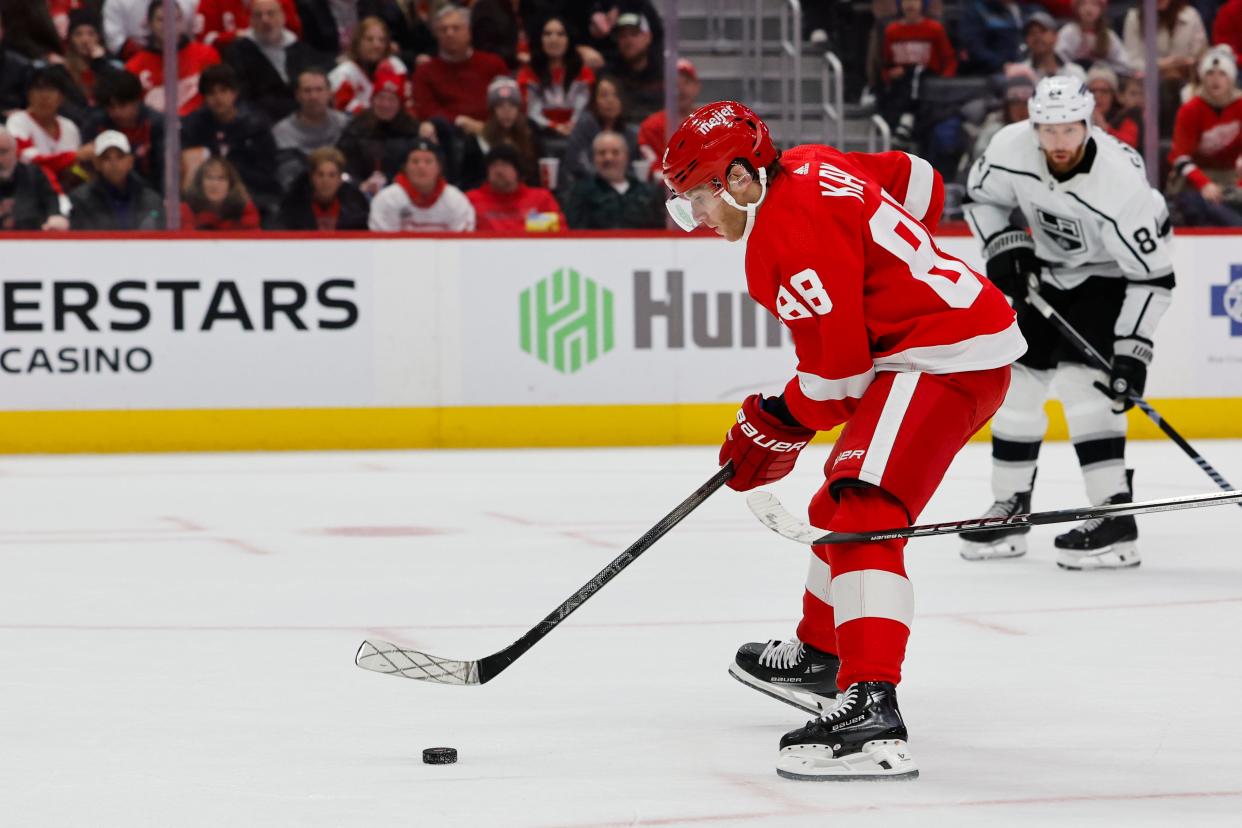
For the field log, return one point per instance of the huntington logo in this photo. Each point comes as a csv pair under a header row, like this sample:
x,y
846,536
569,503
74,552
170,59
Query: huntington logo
x,y
567,321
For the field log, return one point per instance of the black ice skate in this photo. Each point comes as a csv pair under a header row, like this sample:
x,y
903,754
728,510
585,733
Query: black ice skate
x,y
1102,543
863,737
1007,542
789,671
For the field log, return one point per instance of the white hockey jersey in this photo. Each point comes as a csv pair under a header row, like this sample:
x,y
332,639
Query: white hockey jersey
x,y
1104,221
395,210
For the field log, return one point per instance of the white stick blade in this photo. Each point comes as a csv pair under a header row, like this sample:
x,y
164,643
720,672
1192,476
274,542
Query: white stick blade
x,y
383,657
773,515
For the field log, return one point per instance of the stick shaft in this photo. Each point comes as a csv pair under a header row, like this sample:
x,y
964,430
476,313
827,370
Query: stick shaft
x,y
490,666
1095,357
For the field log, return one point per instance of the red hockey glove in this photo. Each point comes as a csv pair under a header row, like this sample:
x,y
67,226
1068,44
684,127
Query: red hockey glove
x,y
762,448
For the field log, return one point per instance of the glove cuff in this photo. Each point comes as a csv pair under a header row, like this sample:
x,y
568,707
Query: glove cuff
x,y
1007,240
1134,348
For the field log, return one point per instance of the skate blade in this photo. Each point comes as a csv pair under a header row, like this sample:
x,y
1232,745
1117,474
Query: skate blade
x,y
1011,547
884,760
1122,555
812,703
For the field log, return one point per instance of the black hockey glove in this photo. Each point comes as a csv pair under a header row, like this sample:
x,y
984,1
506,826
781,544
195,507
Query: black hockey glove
x,y
1011,260
1128,376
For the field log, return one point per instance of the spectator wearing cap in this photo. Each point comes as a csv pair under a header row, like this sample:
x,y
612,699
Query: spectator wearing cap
x,y
653,131
990,35
1109,114
127,24
613,198
314,123
638,68
45,138
15,70
116,199
605,112
1040,32
220,22
369,62
267,57
224,129
321,199
216,199
377,142
119,96
1207,144
556,86
602,25
27,200
453,85
148,64
1088,41
420,200
86,59
1019,86
505,125
504,204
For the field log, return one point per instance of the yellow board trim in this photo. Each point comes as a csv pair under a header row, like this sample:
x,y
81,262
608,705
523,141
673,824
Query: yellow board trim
x,y
26,432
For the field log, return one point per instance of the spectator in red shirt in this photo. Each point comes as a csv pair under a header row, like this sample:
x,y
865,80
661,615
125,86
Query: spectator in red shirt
x,y
453,85
556,86
1110,115
914,45
369,55
322,199
505,204
192,59
1207,142
217,200
1227,28
653,131
223,20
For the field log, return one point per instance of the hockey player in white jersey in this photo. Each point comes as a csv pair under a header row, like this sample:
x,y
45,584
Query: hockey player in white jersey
x,y
1098,243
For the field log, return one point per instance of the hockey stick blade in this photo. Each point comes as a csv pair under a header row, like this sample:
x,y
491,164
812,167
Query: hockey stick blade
x,y
382,657
776,517
392,660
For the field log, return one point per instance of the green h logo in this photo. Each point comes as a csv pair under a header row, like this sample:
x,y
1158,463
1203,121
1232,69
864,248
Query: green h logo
x,y
566,321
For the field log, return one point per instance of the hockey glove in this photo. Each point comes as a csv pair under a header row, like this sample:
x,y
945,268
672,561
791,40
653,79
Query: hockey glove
x,y
764,443
1128,376
1011,260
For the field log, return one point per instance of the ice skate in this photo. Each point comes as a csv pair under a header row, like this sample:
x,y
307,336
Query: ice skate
x,y
862,738
789,671
1100,543
1006,542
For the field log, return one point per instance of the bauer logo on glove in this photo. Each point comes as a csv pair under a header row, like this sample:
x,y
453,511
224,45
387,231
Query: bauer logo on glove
x,y
762,445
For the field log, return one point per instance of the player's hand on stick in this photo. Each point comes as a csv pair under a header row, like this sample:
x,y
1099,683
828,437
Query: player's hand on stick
x,y
762,447
1128,376
1011,260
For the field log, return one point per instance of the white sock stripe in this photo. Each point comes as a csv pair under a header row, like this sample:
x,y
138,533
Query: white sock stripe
x,y
818,580
889,423
872,593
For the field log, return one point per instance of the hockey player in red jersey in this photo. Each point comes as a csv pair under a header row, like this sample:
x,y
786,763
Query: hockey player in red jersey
x,y
904,345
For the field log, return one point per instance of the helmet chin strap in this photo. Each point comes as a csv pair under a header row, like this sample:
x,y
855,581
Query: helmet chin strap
x,y
750,209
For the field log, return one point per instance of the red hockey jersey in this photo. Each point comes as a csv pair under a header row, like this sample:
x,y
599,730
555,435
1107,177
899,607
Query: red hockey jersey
x,y
192,59
839,257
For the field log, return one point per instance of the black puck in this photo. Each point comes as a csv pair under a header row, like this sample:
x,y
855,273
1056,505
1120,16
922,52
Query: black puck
x,y
439,756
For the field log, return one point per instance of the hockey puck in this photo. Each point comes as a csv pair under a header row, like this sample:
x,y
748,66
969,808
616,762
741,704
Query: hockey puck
x,y
439,756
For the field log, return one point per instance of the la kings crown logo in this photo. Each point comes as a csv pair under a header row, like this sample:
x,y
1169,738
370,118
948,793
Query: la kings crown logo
x,y
1066,232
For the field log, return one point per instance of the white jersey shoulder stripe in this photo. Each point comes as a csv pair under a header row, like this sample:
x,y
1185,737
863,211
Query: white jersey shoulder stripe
x,y
919,188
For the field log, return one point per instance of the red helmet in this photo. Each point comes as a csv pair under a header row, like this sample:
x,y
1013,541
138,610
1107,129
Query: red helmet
x,y
710,140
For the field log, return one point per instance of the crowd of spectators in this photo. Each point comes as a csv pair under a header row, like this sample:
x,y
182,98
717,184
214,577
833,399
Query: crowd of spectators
x,y
996,51
535,115
381,115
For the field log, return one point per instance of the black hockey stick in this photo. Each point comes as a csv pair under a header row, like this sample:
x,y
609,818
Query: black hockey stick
x,y
774,516
1076,339
383,657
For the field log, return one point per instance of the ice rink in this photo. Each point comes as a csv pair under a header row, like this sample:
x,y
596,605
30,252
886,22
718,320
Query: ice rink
x,y
179,630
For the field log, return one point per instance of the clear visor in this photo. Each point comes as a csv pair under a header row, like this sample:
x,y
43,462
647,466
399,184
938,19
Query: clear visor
x,y
702,205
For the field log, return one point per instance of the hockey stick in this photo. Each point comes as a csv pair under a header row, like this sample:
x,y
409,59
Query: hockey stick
x,y
774,516
1076,339
391,659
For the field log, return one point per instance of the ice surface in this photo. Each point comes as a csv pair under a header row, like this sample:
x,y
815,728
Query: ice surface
x,y
178,638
